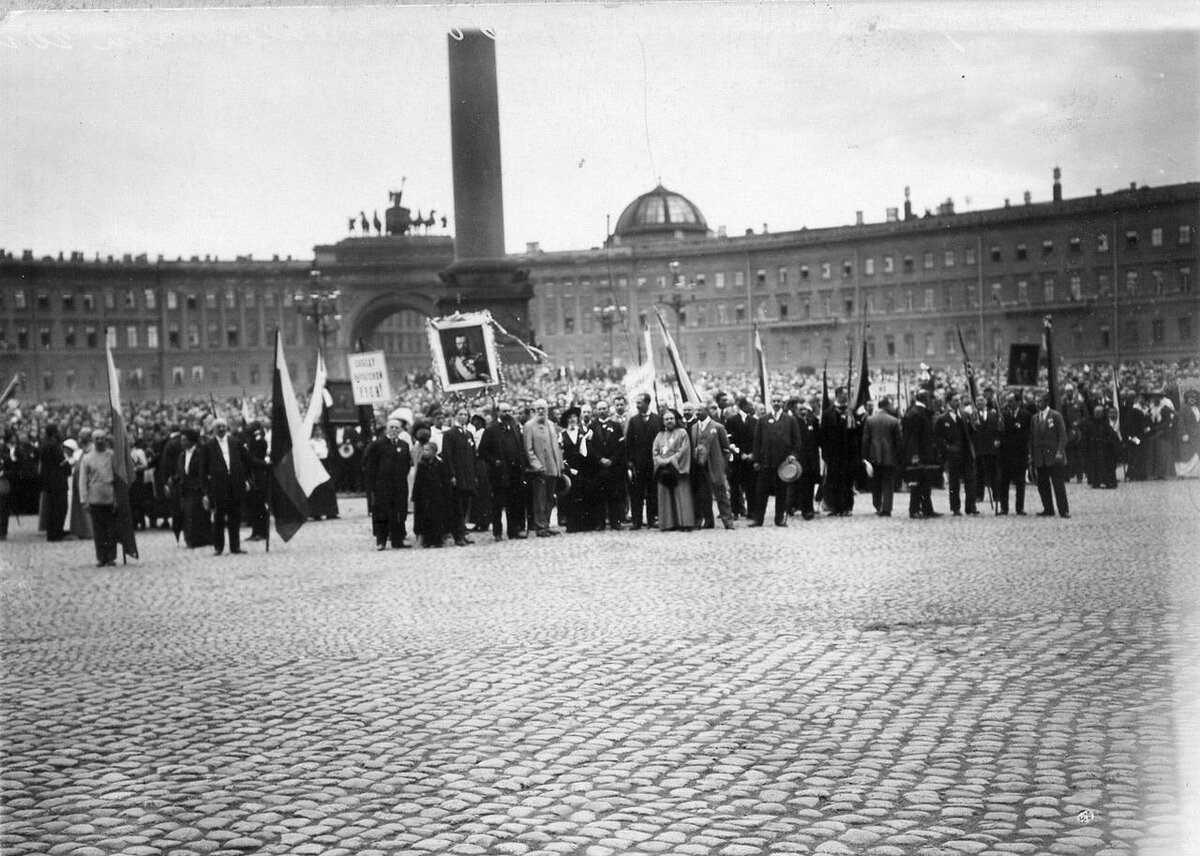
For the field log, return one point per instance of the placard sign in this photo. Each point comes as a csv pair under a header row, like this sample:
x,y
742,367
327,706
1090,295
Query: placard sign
x,y
369,377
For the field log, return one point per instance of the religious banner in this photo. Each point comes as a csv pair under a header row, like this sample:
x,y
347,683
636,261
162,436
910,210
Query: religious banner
x,y
1023,364
464,351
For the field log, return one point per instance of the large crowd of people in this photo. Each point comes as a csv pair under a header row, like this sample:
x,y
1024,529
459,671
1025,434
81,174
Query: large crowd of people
x,y
552,451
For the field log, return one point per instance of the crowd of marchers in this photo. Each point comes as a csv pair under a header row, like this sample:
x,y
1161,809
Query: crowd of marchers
x,y
576,457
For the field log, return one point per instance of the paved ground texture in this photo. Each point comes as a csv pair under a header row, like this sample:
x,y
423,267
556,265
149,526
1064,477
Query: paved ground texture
x,y
958,686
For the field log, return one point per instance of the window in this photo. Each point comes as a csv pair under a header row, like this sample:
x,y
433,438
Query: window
x,y
131,336
970,255
951,342
1075,246
995,254
847,269
1022,292
739,279
568,324
869,303
908,301
972,295
783,308
68,301
928,300
1048,291
1022,252
805,308
110,337
130,299
270,299
248,299
1157,331
177,375
231,336
889,304
1185,327
172,300
1156,237
826,305
929,349
910,345
89,333
1159,288
1131,282
174,340
214,335
804,271
69,338
871,347
19,299
760,277
47,381
782,275
198,374
254,375
701,316
849,305
1102,283
152,336
43,301
193,335
191,302
1129,331
252,335
110,299
739,312
1076,287
70,378
44,337
826,270
1185,234
889,264
722,313
908,264
948,258
889,342
230,299
1131,239
928,261
1185,279
210,302
1102,243
23,338
151,298
701,280
869,266
1047,247
997,293
718,282
214,376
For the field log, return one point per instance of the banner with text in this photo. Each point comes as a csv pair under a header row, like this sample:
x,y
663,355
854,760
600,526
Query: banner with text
x,y
369,378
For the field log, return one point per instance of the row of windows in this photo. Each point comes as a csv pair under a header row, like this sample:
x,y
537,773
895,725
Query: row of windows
x,y
147,336
138,378
85,301
953,297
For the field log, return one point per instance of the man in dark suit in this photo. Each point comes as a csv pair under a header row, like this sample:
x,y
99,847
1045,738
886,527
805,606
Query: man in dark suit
x,y
919,460
776,440
882,446
259,477
608,448
643,427
503,452
987,438
386,464
1012,454
810,458
710,465
953,433
1048,457
458,451
740,425
165,471
54,471
840,442
186,484
223,472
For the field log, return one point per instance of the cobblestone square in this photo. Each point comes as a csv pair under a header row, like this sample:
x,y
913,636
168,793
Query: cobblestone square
x,y
990,685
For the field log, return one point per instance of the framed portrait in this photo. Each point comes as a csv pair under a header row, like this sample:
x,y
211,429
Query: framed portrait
x,y
342,411
464,352
1023,364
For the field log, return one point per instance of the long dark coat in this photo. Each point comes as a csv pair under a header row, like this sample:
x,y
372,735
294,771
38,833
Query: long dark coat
x,y
385,477
433,499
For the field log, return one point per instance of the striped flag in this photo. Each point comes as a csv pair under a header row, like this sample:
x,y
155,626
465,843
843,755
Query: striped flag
x,y
317,402
296,470
760,358
11,388
686,389
122,463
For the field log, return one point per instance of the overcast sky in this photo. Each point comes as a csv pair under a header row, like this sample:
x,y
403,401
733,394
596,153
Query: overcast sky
x,y
262,131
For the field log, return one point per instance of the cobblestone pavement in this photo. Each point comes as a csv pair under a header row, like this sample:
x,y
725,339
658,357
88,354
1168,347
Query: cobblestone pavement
x,y
852,685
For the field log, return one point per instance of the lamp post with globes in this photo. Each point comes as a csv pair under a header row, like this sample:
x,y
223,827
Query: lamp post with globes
x,y
677,301
607,316
319,307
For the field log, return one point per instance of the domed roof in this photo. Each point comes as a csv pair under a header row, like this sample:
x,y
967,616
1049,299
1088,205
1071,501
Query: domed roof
x,y
660,213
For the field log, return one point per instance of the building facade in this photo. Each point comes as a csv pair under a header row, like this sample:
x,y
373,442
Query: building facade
x,y
1115,271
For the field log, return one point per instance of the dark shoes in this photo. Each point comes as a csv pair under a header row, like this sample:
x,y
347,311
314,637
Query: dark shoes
x,y
236,552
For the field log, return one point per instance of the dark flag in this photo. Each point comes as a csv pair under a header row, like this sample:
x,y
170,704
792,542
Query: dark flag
x,y
864,381
122,464
760,358
962,346
296,471
687,391
825,402
1051,374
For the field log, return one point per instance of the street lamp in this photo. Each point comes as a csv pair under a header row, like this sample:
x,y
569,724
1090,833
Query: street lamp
x,y
677,301
608,315
319,307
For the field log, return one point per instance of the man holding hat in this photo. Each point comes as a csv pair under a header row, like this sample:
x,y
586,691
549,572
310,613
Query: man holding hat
x,y
710,450
223,472
545,462
1048,457
919,460
776,439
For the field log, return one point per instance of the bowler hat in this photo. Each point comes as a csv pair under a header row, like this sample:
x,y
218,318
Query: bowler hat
x,y
788,471
563,485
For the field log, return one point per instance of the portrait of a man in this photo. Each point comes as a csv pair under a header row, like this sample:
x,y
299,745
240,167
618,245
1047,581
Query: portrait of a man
x,y
464,352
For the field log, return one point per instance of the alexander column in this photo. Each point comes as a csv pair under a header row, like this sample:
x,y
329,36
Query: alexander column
x,y
481,276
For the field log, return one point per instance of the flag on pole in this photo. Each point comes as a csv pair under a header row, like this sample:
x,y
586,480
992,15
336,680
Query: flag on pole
x,y
317,402
686,390
1051,374
11,388
863,395
247,414
1116,398
760,358
296,470
648,346
122,463
825,402
962,346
